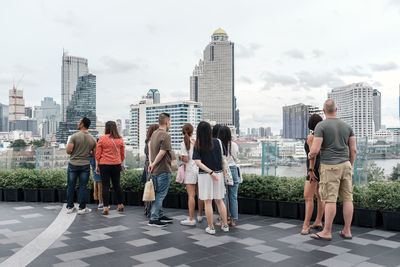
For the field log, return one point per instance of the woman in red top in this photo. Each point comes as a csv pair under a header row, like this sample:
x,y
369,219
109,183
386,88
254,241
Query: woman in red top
x,y
110,154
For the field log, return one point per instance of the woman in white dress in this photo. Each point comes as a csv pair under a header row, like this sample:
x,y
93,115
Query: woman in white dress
x,y
191,174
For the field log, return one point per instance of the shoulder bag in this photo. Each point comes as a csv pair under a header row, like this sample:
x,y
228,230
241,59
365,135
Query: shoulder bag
x,y
119,155
225,167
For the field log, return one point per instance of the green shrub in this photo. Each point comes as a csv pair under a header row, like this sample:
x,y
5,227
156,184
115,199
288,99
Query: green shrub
x,y
175,187
131,181
290,189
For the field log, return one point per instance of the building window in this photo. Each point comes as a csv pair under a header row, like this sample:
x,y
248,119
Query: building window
x,y
212,53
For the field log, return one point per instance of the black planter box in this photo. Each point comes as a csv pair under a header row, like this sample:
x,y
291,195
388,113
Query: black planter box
x,y
248,205
48,195
62,195
302,211
114,200
339,215
1,194
133,198
268,208
183,198
365,218
12,194
288,209
391,220
171,201
31,195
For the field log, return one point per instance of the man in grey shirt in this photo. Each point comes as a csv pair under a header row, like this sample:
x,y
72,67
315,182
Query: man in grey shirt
x,y
337,143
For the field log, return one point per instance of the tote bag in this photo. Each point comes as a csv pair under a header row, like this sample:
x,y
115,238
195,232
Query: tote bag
x,y
180,176
148,194
225,167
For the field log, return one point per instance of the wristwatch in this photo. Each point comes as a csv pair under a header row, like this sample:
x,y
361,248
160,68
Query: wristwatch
x,y
211,172
310,170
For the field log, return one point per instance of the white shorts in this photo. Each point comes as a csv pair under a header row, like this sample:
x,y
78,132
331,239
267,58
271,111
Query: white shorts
x,y
209,189
191,177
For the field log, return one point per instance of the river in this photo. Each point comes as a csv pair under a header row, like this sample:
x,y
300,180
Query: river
x,y
298,171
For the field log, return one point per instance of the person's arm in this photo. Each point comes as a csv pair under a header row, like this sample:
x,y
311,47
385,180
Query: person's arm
x,y
122,151
159,156
353,149
149,152
311,174
184,154
98,153
70,148
316,147
206,169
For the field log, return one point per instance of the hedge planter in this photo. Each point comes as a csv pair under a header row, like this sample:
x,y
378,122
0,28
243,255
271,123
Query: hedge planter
x,y
114,200
48,195
288,209
62,195
183,199
248,205
391,220
171,201
12,194
365,218
302,211
268,208
1,194
31,195
133,198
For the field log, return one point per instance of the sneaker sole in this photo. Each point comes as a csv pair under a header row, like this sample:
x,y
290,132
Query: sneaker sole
x,y
82,213
188,224
155,225
165,221
210,233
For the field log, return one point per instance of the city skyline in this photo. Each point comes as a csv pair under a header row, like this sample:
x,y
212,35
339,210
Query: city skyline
x,y
272,69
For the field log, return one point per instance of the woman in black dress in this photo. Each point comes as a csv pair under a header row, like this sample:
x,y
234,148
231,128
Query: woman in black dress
x,y
311,185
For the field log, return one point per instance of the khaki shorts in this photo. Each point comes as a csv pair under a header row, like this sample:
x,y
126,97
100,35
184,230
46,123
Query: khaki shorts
x,y
97,191
336,180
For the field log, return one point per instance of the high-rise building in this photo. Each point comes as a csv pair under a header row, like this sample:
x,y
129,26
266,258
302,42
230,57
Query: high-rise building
x,y
355,106
3,118
25,125
146,113
16,104
295,120
155,95
377,113
82,104
119,126
213,84
126,129
28,112
72,68
48,116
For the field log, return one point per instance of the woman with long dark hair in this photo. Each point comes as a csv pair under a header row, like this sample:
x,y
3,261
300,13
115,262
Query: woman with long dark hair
x,y
311,185
225,135
150,131
191,174
208,153
110,154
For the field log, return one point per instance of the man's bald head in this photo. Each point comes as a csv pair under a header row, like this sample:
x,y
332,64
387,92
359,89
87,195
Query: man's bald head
x,y
330,107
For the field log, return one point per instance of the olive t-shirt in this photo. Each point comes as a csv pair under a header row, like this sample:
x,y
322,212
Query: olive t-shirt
x,y
161,140
84,143
335,144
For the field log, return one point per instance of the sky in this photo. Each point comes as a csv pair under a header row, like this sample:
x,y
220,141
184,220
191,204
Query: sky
x,y
286,52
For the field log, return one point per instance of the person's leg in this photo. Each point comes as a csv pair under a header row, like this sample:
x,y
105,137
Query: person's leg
x,y
320,209
162,182
105,180
83,181
346,195
233,194
71,183
191,191
100,192
348,209
309,188
200,203
221,210
115,179
209,212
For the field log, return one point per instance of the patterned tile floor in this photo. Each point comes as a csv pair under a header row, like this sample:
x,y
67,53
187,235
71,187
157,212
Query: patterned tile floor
x,y
126,240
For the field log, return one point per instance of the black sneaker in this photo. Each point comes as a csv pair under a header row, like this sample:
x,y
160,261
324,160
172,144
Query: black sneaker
x,y
157,223
165,219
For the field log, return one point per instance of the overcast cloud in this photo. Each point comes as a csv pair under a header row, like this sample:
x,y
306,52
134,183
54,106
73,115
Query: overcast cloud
x,y
283,55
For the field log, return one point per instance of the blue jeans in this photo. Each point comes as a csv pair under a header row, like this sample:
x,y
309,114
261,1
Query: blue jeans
x,y
73,173
232,191
161,186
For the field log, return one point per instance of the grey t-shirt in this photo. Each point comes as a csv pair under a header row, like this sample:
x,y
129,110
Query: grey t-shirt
x,y
84,144
335,144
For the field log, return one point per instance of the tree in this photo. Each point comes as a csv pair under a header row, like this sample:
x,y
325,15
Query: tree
x,y
375,173
19,143
39,143
395,176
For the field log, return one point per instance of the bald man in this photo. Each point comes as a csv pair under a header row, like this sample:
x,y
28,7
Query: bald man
x,y
337,143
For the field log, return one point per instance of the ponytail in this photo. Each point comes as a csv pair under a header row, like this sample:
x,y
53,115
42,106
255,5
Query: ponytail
x,y
186,139
187,131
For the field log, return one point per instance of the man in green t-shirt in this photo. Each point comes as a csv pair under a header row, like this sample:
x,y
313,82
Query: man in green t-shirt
x,y
337,143
81,146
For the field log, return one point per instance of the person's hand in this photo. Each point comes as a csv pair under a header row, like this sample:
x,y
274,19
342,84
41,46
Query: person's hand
x,y
312,176
97,170
310,156
214,176
150,168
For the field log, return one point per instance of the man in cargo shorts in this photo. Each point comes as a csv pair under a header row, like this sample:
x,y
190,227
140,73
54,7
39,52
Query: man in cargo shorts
x,y
337,143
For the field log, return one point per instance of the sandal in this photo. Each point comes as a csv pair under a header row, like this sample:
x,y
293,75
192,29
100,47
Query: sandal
x,y
305,231
342,235
318,237
316,227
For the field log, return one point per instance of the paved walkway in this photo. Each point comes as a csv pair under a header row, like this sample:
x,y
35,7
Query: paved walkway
x,y
126,240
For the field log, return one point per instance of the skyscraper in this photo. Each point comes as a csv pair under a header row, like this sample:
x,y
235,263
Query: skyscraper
x,y
48,116
28,112
3,118
377,113
155,95
72,68
16,104
82,104
355,106
295,120
212,83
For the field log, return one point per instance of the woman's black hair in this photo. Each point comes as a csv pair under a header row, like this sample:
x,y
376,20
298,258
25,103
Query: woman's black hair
x,y
215,130
313,121
225,135
204,141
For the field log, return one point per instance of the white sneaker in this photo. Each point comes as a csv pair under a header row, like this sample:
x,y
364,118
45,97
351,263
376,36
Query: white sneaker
x,y
84,211
200,218
210,231
71,210
188,222
225,228
100,206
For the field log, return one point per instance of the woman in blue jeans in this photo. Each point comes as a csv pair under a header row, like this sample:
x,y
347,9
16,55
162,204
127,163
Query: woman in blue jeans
x,y
224,134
